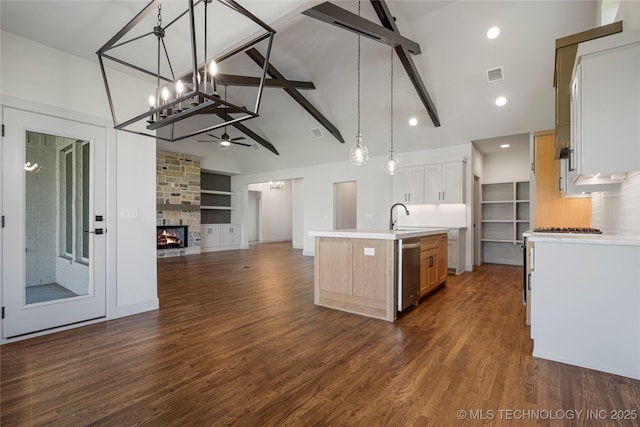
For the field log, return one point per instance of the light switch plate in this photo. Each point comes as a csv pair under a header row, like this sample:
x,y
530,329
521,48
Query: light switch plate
x,y
129,213
370,251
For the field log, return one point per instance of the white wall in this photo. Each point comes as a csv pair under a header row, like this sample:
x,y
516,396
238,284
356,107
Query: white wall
x,y
37,78
506,167
275,216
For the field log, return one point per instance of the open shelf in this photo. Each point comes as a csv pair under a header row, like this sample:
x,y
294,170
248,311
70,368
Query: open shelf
x,y
505,216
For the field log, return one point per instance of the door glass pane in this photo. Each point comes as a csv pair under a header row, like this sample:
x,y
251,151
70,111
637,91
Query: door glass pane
x,y
56,218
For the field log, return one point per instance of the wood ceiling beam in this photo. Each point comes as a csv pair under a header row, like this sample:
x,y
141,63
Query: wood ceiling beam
x,y
251,134
335,15
403,53
235,80
388,34
297,96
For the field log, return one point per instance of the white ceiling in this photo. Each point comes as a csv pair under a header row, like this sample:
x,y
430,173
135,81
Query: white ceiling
x,y
455,57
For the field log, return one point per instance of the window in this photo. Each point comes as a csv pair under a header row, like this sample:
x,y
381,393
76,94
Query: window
x,y
74,187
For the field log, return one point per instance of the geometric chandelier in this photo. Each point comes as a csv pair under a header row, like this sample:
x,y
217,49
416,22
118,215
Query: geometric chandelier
x,y
175,56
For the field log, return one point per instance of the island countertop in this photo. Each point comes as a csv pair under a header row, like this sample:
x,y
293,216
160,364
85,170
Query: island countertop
x,y
380,234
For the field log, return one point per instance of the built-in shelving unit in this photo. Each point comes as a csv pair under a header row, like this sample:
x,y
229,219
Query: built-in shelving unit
x,y
215,194
505,216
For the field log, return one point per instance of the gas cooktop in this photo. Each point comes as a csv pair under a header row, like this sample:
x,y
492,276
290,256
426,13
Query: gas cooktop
x,y
567,230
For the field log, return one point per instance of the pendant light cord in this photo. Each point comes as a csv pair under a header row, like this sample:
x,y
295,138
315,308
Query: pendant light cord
x,y
392,99
358,75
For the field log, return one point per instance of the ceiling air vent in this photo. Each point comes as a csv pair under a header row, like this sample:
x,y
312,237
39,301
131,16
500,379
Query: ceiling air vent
x,y
316,132
495,75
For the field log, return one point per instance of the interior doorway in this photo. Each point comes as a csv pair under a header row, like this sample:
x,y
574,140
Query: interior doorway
x,y
253,216
345,212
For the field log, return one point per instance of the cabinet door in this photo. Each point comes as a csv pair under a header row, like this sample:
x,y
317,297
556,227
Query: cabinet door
x,y
433,177
210,236
452,250
428,270
443,250
400,186
415,185
610,108
229,235
451,183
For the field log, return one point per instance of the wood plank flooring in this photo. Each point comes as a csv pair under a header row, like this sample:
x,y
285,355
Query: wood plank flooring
x,y
238,341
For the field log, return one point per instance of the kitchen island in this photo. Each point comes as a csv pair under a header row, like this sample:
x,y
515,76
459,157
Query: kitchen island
x,y
357,270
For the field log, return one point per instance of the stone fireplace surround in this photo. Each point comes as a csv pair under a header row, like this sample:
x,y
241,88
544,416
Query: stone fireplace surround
x,y
178,198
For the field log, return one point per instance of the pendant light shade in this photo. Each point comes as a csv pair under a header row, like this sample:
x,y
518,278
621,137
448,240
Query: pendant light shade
x,y
392,163
359,154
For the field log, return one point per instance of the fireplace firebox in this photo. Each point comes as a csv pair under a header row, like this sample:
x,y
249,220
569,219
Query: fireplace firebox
x,y
172,236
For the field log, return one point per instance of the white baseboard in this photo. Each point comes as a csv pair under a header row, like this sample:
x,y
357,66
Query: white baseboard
x,y
135,308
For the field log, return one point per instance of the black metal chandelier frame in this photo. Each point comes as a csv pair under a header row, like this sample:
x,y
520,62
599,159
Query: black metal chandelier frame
x,y
197,98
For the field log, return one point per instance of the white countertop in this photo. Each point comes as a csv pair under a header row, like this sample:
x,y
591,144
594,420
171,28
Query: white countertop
x,y
599,239
380,234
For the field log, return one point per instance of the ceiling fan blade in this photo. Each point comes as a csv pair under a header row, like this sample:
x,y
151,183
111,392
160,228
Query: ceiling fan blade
x,y
213,136
240,143
239,138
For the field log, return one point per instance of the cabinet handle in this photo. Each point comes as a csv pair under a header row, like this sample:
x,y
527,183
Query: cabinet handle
x,y
431,261
560,183
571,152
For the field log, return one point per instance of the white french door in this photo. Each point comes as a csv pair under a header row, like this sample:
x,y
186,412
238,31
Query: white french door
x,y
54,199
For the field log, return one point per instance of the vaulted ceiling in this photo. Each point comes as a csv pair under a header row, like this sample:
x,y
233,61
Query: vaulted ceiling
x,y
455,57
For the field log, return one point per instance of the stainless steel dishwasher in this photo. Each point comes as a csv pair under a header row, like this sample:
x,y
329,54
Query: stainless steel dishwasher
x,y
408,274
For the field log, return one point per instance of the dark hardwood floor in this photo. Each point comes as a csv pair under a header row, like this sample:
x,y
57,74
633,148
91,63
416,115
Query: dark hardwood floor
x,y
238,341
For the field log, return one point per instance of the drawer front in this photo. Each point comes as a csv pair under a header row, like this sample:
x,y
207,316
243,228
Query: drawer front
x,y
429,242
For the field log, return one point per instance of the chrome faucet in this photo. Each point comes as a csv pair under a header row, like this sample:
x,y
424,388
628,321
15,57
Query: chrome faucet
x,y
392,223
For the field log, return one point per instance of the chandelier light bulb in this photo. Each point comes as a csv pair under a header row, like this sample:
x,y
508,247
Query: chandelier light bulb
x,y
179,87
213,68
152,101
165,94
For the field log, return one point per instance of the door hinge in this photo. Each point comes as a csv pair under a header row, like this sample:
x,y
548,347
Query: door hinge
x,y
3,312
2,221
3,130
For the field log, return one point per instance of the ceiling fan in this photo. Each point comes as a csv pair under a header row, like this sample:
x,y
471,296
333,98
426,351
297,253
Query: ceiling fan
x,y
225,139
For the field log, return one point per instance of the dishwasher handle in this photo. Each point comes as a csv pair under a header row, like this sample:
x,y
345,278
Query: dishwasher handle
x,y
410,245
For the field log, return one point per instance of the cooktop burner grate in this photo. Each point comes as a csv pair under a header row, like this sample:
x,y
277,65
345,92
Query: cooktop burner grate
x,y
577,230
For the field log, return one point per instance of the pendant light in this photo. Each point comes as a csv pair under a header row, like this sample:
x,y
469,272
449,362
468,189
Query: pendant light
x,y
392,161
359,154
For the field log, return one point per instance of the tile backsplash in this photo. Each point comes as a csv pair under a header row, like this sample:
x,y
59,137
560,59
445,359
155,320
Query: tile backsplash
x,y
445,215
618,212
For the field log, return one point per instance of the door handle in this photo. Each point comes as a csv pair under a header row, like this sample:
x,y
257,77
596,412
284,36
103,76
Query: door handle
x,y
97,231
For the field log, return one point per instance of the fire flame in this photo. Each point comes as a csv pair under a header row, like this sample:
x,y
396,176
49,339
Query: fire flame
x,y
167,239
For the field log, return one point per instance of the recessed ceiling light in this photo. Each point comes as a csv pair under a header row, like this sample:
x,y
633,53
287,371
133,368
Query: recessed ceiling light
x,y
500,101
413,121
505,145
493,32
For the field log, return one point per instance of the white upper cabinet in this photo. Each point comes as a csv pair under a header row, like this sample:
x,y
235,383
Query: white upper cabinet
x,y
444,183
408,185
605,103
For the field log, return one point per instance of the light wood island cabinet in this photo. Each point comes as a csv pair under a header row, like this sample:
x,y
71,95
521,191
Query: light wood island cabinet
x,y
357,271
